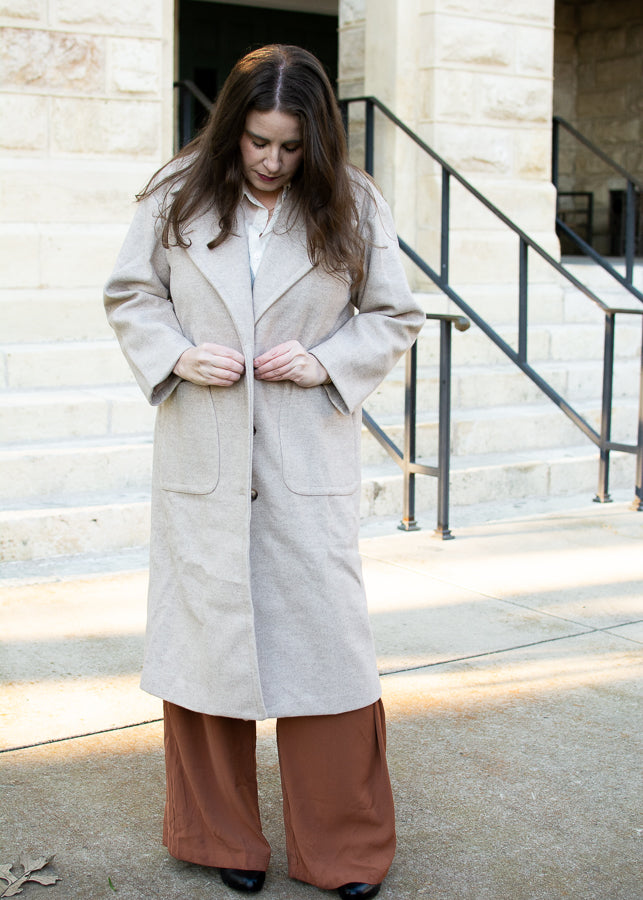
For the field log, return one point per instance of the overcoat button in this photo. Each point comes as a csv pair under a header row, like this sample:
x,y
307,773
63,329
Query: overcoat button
x,y
253,494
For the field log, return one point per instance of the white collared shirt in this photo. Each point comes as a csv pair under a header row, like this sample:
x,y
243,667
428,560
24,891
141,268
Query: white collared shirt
x,y
259,226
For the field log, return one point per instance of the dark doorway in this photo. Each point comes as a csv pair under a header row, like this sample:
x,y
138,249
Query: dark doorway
x,y
212,37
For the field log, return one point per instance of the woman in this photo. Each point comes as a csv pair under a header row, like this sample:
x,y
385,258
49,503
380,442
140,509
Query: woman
x,y
234,300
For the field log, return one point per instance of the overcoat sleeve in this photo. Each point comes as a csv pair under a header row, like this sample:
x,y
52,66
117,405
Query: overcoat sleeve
x,y
139,306
360,353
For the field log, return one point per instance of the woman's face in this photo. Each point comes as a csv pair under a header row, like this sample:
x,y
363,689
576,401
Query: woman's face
x,y
271,152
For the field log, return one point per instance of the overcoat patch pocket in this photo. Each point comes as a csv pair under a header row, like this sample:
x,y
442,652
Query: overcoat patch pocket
x,y
187,441
320,447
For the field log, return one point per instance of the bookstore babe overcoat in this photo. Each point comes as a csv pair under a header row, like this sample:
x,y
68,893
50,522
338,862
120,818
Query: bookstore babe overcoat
x,y
256,604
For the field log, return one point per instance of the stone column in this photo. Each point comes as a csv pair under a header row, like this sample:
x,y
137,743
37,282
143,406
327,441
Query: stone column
x,y
375,59
352,32
474,79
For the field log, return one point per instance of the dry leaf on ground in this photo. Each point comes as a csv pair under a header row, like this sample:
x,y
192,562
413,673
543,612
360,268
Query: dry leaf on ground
x,y
26,870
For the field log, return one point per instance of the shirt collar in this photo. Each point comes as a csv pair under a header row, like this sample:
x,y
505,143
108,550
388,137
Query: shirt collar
x,y
255,202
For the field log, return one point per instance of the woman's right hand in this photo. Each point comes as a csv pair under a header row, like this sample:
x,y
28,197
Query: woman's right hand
x,y
210,364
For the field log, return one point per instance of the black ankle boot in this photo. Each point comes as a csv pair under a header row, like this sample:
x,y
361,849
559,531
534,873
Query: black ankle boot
x,y
249,881
359,890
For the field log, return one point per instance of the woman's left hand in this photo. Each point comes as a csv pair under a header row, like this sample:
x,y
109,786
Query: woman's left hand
x,y
290,362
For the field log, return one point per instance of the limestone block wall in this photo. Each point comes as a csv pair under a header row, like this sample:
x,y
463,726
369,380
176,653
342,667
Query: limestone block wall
x,y
352,29
85,117
474,79
599,88
486,89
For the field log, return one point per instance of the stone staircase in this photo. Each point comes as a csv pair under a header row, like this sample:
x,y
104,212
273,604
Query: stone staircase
x,y
75,445
75,433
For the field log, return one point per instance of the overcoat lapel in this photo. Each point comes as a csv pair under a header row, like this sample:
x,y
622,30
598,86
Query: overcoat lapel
x,y
284,262
227,268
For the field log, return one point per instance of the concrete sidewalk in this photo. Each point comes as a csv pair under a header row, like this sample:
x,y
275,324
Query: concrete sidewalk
x,y
511,662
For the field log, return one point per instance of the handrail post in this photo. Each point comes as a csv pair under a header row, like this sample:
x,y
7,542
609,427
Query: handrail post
x,y
369,149
409,522
343,109
445,227
189,92
638,496
606,412
186,115
590,219
555,139
630,229
444,433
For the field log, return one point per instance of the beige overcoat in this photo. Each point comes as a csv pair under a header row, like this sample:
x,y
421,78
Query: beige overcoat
x,y
256,606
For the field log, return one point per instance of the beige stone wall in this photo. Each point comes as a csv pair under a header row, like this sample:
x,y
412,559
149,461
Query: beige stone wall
x,y
474,79
352,30
85,117
599,89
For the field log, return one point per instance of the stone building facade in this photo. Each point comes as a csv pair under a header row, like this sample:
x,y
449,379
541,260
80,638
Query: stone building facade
x,y
473,79
88,113
85,116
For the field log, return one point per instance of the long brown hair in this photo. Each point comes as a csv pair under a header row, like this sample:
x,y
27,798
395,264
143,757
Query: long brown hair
x,y
209,172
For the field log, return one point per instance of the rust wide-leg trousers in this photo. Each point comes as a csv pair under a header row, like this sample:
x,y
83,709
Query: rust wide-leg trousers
x,y
338,805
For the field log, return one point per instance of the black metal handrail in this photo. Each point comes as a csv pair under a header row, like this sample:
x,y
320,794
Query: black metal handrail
x,y
189,92
406,459
633,185
601,439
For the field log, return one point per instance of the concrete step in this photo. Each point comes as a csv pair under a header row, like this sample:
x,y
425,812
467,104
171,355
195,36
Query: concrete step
x,y
46,415
76,363
555,301
595,277
50,471
75,456
567,342
81,525
63,364
487,387
76,313
579,308
498,303
46,315
39,472
504,384
487,478
47,470
42,416
37,414
518,429
601,283
540,427
65,256
103,524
